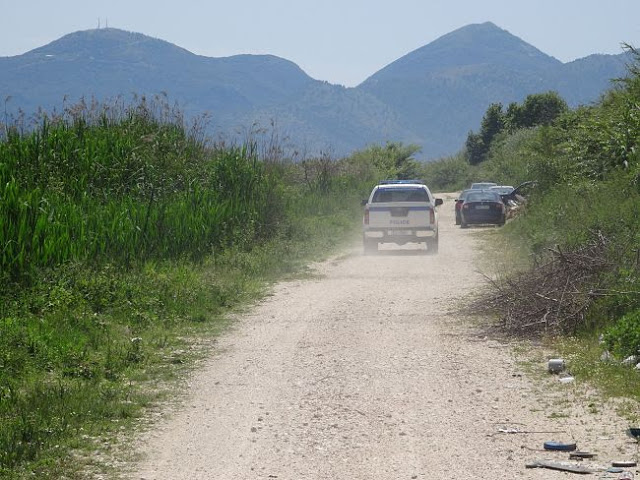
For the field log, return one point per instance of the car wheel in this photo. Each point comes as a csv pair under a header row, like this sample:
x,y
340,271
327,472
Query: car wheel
x,y
458,221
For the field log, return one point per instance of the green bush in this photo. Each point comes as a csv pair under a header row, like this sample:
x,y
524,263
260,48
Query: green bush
x,y
623,338
448,174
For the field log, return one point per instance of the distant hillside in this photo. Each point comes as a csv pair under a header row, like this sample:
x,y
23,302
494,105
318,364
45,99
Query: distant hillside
x,y
583,81
106,63
431,97
443,89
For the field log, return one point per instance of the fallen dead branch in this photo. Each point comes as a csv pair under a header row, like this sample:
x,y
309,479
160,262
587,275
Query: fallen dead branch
x,y
551,297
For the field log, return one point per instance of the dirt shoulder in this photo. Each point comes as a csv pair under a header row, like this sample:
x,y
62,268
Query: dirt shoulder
x,y
368,372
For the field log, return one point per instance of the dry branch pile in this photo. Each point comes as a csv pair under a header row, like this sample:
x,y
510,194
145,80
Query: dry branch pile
x,y
552,297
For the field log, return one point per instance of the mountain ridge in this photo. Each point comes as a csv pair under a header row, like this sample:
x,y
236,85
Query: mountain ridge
x,y
431,96
437,54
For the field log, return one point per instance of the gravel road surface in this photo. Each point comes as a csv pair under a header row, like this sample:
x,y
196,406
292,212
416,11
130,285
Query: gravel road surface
x,y
367,372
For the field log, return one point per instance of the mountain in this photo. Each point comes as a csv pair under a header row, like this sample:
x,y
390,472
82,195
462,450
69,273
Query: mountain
x,y
431,97
585,80
471,48
107,63
443,89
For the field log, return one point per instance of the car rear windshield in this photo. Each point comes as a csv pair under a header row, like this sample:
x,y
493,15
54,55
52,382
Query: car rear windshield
x,y
483,197
400,195
464,194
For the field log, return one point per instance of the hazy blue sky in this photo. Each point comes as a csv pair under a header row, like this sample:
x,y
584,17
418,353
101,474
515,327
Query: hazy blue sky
x,y
341,41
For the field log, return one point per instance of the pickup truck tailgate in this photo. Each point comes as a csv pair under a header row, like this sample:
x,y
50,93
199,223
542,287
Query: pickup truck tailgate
x,y
409,215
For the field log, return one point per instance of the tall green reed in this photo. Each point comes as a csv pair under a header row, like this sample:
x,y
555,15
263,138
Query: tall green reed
x,y
131,188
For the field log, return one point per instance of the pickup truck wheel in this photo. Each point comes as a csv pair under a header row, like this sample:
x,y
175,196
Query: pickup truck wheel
x,y
432,247
370,246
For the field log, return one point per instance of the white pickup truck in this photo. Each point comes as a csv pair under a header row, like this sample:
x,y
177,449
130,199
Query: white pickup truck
x,y
400,211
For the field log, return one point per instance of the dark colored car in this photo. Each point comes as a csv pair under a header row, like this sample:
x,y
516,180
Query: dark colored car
x,y
482,207
459,202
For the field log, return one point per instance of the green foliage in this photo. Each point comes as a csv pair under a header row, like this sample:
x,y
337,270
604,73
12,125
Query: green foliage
x,y
447,174
525,155
568,216
122,235
142,189
475,149
536,110
586,163
492,124
512,158
623,338
611,378
393,160
600,140
73,341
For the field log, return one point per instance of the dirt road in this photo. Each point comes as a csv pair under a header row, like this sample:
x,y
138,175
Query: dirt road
x,y
367,372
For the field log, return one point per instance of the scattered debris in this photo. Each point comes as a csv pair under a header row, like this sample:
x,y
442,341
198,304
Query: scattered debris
x,y
565,467
581,455
634,432
624,463
556,365
567,379
515,430
606,356
560,446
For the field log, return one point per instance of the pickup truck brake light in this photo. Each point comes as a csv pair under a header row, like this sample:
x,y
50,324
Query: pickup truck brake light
x,y
432,216
365,220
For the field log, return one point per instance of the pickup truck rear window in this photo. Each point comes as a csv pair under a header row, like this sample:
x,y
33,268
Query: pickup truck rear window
x,y
383,195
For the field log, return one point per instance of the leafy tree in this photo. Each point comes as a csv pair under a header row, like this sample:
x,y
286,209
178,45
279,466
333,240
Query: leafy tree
x,y
492,123
405,165
540,109
537,109
475,149
448,174
393,160
477,145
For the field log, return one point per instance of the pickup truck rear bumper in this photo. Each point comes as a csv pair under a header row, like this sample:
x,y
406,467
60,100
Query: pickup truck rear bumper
x,y
399,236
